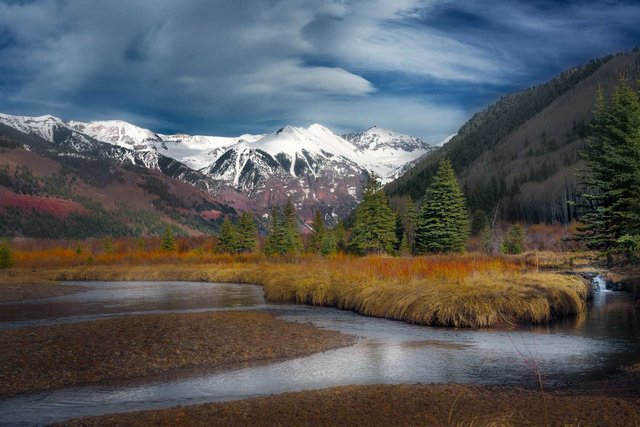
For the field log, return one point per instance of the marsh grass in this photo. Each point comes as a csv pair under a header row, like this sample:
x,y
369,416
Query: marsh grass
x,y
461,291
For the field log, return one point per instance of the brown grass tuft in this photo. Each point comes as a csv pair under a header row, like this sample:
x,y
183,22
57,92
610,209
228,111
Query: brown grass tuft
x,y
461,291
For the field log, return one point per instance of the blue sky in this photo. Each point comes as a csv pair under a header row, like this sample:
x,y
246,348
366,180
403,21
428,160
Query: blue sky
x,y
227,67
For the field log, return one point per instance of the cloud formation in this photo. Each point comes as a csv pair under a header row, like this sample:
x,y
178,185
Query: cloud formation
x,y
228,67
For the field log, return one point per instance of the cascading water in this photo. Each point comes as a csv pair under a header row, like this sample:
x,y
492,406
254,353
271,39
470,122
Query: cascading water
x,y
599,284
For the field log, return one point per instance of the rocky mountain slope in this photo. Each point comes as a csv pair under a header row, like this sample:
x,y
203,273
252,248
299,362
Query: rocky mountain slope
x,y
314,167
58,183
522,154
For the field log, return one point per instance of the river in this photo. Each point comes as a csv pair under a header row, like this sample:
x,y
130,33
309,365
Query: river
x,y
590,346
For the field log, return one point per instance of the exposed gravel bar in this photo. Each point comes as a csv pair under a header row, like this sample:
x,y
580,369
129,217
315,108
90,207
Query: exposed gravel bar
x,y
24,291
386,405
54,356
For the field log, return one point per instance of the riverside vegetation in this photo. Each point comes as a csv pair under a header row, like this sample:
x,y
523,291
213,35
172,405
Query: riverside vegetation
x,y
445,290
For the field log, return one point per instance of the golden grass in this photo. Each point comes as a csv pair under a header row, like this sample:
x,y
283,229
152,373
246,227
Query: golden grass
x,y
461,291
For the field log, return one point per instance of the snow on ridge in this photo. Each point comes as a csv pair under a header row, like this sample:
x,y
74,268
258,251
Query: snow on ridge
x,y
388,152
42,126
444,141
118,132
316,139
376,149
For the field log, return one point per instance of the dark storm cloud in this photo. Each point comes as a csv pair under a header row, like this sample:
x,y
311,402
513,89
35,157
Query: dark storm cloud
x,y
227,67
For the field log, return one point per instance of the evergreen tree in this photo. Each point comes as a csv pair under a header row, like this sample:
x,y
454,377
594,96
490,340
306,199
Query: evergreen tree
x,y
168,242
274,243
283,237
479,222
611,181
514,242
410,224
319,232
340,236
443,224
374,227
293,241
6,255
247,232
328,245
107,245
404,249
228,238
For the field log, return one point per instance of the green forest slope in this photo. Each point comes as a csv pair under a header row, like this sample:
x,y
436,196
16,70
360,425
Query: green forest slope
x,y
521,154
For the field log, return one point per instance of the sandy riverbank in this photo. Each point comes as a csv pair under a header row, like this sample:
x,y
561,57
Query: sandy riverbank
x,y
17,290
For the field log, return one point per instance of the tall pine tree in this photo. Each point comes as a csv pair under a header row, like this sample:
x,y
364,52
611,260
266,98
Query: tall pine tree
x,y
228,237
247,232
319,232
274,244
410,222
443,223
340,237
168,242
293,241
611,181
374,229
284,237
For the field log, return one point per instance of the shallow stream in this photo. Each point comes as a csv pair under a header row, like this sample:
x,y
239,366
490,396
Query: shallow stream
x,y
591,346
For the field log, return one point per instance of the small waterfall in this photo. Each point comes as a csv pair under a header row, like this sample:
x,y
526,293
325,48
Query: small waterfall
x,y
599,284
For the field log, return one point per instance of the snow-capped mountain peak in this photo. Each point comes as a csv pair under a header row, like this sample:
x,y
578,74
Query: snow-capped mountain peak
x,y
118,132
196,151
388,153
313,166
316,139
42,126
378,138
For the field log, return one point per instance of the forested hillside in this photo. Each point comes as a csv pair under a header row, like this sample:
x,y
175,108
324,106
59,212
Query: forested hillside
x,y
521,154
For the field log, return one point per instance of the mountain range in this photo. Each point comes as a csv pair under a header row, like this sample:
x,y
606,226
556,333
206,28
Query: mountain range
x,y
519,156
314,167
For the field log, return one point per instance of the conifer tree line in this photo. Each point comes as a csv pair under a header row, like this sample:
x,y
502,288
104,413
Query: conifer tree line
x,y
374,227
284,236
239,237
441,224
611,180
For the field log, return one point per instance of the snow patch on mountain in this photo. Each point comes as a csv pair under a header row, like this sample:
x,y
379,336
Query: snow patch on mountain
x,y
200,151
118,132
444,141
314,167
387,153
42,126
196,151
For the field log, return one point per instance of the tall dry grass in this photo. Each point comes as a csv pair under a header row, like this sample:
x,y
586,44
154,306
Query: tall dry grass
x,y
460,291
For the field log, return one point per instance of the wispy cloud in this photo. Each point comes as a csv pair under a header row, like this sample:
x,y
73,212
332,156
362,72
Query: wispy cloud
x,y
227,67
